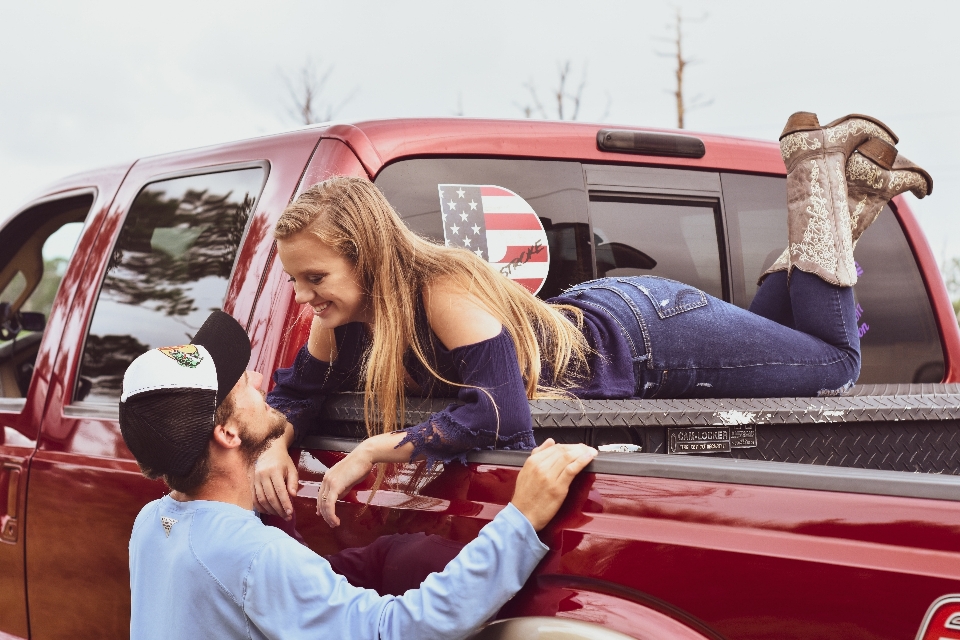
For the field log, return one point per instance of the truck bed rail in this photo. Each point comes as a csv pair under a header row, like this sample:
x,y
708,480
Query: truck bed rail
x,y
889,427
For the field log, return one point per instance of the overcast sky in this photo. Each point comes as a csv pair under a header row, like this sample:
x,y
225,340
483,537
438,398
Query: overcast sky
x,y
94,83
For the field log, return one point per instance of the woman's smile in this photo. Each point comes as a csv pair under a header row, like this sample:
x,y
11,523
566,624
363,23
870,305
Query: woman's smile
x,y
325,280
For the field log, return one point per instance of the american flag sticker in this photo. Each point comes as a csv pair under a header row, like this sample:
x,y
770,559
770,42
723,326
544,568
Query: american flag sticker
x,y
500,227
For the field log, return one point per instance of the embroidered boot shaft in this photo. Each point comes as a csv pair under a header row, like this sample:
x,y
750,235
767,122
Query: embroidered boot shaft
x,y
875,174
818,218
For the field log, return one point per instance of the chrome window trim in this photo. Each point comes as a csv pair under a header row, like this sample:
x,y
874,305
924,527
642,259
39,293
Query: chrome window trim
x,y
12,405
93,410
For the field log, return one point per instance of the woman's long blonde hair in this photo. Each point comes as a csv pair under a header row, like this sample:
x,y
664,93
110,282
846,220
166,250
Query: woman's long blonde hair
x,y
394,265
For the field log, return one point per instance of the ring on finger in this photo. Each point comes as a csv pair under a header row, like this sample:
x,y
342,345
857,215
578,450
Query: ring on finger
x,y
323,498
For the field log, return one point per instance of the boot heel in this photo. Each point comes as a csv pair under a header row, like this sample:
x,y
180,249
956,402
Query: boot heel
x,y
880,151
875,173
800,121
908,174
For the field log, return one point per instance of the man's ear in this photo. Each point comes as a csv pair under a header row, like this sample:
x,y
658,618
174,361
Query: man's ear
x,y
227,435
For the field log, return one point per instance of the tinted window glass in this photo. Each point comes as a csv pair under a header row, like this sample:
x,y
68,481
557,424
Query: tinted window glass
x,y
169,268
756,209
667,238
554,190
56,253
899,338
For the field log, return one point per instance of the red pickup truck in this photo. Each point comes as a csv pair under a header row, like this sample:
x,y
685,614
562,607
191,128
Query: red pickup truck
x,y
731,518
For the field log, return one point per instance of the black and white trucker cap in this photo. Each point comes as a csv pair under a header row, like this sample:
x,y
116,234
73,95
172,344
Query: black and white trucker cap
x,y
170,395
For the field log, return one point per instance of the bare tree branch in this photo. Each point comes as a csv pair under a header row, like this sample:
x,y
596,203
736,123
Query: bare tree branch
x,y
567,103
307,95
564,71
606,110
536,107
681,65
579,95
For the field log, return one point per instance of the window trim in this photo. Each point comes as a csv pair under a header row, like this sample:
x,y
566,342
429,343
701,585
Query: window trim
x,y
667,182
703,199
60,195
12,405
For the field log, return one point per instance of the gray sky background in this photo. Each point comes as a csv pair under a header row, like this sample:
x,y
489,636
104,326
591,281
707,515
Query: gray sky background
x,y
94,83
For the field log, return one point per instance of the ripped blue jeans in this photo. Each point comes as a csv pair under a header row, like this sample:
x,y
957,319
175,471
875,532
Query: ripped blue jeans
x,y
796,340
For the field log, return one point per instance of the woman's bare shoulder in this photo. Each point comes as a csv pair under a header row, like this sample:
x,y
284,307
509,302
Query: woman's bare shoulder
x,y
456,316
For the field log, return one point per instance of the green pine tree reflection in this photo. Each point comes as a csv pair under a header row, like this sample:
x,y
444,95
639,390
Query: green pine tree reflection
x,y
149,266
178,232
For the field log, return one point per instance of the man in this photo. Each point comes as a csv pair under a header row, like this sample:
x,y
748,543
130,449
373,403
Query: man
x,y
202,565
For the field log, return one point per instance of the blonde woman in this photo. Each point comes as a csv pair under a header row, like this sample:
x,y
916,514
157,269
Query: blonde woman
x,y
395,314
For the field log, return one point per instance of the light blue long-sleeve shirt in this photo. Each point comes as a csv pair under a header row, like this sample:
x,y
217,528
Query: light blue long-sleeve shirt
x,y
220,573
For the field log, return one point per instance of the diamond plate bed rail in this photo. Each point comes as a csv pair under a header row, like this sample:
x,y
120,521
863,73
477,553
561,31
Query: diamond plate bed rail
x,y
921,403
926,389
912,428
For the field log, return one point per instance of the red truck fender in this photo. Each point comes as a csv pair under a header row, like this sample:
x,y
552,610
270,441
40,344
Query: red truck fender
x,y
597,606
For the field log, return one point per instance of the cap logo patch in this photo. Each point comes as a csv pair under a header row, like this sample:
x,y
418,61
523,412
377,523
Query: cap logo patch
x,y
186,355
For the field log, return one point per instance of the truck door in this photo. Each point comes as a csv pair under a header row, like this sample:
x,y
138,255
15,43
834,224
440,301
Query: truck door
x,y
167,267
187,233
36,246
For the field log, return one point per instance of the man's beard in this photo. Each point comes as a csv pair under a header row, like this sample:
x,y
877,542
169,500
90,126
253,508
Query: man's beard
x,y
252,446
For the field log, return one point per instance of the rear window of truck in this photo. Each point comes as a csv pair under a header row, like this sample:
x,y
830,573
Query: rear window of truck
x,y
716,231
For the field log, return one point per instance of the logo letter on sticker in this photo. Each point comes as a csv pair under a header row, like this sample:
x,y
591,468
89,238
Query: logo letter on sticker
x,y
500,227
942,621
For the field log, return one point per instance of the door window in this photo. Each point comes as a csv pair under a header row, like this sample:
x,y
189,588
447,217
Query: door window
x,y
898,332
169,269
38,244
757,216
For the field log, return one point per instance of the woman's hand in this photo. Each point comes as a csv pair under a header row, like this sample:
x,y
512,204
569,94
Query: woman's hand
x,y
275,478
340,479
344,475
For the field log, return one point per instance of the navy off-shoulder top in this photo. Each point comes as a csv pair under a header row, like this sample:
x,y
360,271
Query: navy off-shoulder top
x,y
490,412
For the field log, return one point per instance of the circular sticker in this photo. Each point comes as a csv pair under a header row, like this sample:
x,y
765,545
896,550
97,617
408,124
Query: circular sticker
x,y
500,227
